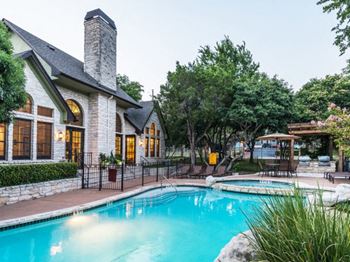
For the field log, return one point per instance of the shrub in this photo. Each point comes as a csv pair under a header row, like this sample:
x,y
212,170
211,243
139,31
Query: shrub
x,y
11,175
246,166
290,229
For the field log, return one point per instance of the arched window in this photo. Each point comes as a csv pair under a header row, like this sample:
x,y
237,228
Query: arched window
x,y
28,106
118,124
77,112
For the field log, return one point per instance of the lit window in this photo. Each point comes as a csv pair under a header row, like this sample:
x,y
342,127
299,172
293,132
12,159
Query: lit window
x,y
118,145
146,146
158,147
152,147
27,108
130,149
22,136
153,129
77,112
44,140
2,141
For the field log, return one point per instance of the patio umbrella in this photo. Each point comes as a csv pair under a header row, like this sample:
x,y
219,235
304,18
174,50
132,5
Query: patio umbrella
x,y
278,136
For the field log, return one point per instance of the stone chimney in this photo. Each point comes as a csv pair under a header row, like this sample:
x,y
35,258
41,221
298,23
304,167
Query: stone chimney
x,y
100,44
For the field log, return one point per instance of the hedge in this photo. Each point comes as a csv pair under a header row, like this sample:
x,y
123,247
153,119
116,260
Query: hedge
x,y
11,175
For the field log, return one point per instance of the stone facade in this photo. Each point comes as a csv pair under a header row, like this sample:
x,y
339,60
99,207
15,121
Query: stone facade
x,y
13,194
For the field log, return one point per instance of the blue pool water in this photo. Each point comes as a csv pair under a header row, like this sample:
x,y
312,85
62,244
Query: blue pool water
x,y
192,225
260,184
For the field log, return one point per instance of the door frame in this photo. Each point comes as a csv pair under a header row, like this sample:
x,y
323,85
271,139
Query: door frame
x,y
82,142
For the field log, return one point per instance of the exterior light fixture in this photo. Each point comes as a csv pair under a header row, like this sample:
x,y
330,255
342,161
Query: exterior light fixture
x,y
141,142
60,136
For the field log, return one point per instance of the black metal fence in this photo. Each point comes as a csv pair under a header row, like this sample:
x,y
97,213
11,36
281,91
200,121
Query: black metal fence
x,y
124,176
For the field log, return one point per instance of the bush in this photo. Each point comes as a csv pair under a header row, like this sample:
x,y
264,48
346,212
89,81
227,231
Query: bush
x,y
246,166
11,175
287,229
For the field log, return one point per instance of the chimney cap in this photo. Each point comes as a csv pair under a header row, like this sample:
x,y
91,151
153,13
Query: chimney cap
x,y
98,12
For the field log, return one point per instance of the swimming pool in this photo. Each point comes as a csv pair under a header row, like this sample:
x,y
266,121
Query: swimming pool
x,y
190,225
260,184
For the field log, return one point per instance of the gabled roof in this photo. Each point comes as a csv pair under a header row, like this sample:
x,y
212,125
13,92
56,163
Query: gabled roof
x,y
30,56
139,117
64,64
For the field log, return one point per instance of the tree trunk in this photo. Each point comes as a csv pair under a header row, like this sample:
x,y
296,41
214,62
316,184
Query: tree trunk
x,y
251,146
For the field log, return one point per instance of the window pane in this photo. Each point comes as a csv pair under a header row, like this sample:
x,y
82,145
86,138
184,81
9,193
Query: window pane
x,y
130,149
146,146
2,140
118,145
152,147
147,131
153,129
158,132
75,108
118,124
27,108
44,140
158,147
45,111
22,135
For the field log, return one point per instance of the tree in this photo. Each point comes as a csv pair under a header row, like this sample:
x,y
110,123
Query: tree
x,y
132,88
12,78
312,99
342,29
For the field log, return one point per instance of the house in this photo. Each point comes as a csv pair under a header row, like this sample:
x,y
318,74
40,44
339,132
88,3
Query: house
x,y
75,107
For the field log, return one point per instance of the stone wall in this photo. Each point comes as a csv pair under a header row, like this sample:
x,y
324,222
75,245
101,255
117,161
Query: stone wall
x,y
13,194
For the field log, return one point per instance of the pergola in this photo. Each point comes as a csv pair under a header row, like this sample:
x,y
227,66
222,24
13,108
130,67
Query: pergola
x,y
283,137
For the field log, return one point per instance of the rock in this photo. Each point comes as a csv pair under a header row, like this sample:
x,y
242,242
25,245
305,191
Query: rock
x,y
238,249
210,180
341,194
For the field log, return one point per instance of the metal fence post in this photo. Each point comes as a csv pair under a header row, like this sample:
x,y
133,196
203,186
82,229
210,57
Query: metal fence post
x,y
143,174
100,180
168,174
122,181
157,172
83,173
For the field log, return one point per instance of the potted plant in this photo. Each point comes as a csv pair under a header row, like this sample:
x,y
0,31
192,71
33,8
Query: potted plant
x,y
114,161
103,160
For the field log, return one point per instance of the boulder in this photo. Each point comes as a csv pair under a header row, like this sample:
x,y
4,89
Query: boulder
x,y
341,194
210,180
239,249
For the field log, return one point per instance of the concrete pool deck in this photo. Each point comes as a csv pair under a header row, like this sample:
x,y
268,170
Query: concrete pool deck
x,y
83,197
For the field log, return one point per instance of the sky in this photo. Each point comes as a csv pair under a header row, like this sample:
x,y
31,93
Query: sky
x,y
289,38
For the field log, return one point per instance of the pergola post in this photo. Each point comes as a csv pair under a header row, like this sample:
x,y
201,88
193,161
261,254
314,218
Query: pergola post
x,y
291,155
340,162
330,147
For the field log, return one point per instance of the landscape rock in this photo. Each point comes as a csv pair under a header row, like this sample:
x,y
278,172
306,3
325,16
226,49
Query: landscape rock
x,y
238,249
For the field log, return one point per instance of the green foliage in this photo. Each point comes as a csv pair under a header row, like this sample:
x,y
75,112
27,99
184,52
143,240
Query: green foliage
x,y
312,100
343,207
342,29
11,175
288,229
246,166
132,88
112,159
12,78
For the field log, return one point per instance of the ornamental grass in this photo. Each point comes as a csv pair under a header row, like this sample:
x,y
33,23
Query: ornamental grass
x,y
292,229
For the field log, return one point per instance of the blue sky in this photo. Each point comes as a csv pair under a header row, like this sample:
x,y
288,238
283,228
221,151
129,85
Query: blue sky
x,y
290,38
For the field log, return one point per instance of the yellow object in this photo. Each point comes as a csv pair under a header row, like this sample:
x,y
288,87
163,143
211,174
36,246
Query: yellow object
x,y
213,159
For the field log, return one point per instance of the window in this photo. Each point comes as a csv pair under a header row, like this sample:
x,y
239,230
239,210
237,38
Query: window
x,y
130,149
118,124
158,147
27,108
158,132
45,111
118,145
2,141
44,140
146,146
22,135
77,112
152,147
153,129
147,131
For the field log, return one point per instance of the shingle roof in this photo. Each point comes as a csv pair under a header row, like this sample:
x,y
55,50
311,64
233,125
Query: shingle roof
x,y
139,117
65,64
98,12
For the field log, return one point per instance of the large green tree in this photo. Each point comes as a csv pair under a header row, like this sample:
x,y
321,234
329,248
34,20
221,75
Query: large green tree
x,y
312,99
12,78
132,88
342,29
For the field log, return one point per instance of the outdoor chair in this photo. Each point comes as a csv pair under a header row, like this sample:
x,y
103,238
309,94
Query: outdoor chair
x,y
304,160
264,170
332,175
324,161
220,172
183,171
198,171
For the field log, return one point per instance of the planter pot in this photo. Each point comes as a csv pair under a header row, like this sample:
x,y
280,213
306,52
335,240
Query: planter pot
x,y
112,174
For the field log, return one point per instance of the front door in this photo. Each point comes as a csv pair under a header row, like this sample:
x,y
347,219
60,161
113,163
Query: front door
x,y
130,149
74,143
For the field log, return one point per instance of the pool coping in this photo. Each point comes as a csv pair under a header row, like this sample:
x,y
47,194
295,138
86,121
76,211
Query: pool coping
x,y
40,217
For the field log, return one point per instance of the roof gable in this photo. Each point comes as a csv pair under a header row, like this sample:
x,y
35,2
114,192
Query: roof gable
x,y
64,64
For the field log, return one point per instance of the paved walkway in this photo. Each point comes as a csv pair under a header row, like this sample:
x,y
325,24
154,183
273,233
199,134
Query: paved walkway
x,y
78,197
